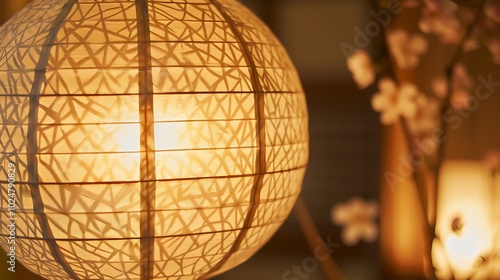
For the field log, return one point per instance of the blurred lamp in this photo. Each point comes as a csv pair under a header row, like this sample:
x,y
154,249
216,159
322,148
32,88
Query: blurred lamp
x,y
151,139
467,222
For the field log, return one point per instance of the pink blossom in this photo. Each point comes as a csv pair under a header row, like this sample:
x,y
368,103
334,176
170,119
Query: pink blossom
x,y
360,65
427,118
494,48
482,29
406,49
462,87
439,18
440,87
357,217
460,100
471,45
393,102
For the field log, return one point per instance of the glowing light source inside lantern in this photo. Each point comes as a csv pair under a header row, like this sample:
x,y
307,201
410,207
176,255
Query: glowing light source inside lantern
x,y
168,136
464,249
466,194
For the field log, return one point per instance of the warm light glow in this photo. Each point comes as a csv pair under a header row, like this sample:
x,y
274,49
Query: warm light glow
x,y
463,250
466,194
117,137
153,139
169,140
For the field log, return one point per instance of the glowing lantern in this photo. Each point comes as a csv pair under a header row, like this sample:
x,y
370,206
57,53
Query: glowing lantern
x,y
466,222
151,139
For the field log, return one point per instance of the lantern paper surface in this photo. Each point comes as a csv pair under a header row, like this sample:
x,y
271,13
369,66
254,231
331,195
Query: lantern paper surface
x,y
151,139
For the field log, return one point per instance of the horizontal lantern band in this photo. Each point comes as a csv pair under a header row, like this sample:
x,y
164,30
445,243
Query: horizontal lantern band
x,y
20,226
52,211
102,139
131,153
168,107
8,51
118,122
298,92
158,241
159,180
180,194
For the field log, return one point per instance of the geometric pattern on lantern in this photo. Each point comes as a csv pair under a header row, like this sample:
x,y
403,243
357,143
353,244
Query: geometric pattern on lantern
x,y
222,143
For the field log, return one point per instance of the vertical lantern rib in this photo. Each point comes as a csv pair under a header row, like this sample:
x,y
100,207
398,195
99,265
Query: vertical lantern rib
x,y
147,158
32,146
260,161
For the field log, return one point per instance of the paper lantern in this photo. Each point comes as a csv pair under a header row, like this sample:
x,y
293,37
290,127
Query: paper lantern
x,y
151,139
468,197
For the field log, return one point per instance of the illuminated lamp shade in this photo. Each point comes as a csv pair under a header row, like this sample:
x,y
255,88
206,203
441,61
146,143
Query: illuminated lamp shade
x,y
152,139
467,222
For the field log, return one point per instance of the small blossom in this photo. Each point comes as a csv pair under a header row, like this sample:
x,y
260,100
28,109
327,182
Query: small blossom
x,y
357,217
393,102
492,10
360,65
482,28
471,45
492,159
440,87
460,100
438,18
494,48
462,87
427,117
406,49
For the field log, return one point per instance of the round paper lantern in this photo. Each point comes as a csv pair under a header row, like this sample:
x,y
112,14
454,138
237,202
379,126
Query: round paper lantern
x,y
150,139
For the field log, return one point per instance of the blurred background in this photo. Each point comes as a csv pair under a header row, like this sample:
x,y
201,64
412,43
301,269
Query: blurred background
x,y
347,147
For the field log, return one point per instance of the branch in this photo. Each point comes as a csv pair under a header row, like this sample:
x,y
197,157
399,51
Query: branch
x,y
314,240
460,51
429,230
445,107
446,104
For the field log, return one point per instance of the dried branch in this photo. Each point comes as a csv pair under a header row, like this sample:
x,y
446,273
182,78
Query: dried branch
x,y
314,240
